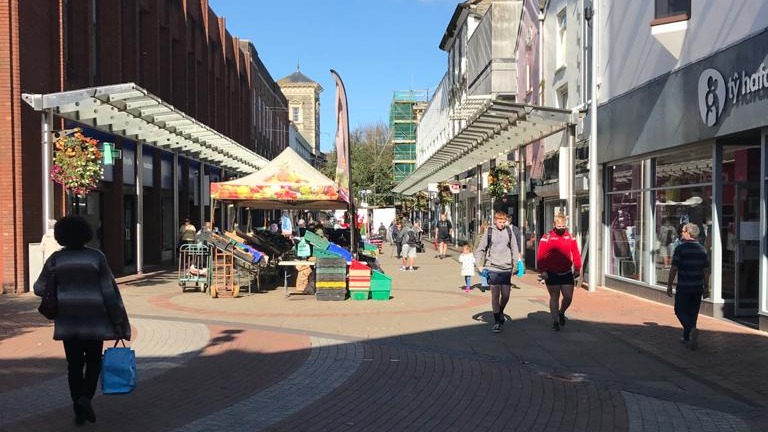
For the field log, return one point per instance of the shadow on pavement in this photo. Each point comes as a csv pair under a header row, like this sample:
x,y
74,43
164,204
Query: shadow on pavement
x,y
591,376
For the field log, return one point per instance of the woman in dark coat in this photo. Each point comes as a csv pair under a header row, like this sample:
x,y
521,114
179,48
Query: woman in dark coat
x,y
90,309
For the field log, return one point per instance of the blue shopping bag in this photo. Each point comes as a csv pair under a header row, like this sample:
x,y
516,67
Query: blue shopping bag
x,y
520,268
118,370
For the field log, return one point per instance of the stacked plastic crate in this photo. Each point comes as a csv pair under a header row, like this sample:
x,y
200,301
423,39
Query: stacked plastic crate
x,y
330,276
359,280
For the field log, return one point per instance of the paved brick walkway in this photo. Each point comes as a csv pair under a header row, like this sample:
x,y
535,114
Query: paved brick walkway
x,y
425,360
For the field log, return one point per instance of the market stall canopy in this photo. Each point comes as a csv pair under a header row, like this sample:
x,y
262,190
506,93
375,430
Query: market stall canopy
x,y
286,181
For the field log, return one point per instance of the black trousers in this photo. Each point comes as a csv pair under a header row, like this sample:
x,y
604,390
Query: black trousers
x,y
687,310
83,366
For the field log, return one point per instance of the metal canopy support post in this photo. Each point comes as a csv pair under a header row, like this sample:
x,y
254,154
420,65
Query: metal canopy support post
x,y
221,209
46,123
139,161
176,174
521,192
479,209
201,185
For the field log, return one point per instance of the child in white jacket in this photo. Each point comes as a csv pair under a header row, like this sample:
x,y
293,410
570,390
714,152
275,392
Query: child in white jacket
x,y
467,260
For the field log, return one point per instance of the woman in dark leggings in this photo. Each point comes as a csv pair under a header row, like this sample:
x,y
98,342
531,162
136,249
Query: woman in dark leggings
x,y
90,309
560,264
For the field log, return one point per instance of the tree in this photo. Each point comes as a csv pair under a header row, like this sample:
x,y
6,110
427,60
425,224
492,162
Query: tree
x,y
370,163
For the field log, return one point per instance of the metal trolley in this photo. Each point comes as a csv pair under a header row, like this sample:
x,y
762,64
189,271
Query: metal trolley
x,y
195,266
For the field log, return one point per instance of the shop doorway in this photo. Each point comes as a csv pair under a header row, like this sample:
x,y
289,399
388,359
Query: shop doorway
x,y
129,233
741,229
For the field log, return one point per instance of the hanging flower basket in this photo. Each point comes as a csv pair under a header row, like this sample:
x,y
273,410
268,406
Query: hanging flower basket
x,y
444,194
77,163
501,181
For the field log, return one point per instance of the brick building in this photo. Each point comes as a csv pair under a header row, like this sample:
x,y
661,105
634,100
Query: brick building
x,y
178,53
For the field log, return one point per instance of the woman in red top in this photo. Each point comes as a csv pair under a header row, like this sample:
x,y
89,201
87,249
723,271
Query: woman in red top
x,y
560,264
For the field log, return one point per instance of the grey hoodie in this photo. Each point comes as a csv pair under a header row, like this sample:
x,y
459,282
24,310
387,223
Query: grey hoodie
x,y
499,258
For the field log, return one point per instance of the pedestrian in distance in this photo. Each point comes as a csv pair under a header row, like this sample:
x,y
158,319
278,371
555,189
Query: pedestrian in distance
x,y
690,263
383,232
410,240
467,260
483,278
90,309
498,252
443,234
560,264
187,233
397,239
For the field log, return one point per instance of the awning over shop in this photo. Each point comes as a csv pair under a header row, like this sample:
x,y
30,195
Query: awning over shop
x,y
495,127
130,111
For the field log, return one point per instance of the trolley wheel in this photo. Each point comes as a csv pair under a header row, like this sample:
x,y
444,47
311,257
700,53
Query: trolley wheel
x,y
205,287
183,287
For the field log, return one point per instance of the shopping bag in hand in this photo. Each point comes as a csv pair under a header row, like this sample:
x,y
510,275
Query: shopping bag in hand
x,y
118,370
520,268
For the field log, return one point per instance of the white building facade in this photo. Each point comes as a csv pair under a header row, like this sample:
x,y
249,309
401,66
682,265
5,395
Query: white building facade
x,y
682,131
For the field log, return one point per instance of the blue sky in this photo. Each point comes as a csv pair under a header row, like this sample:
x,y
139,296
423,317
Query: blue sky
x,y
376,46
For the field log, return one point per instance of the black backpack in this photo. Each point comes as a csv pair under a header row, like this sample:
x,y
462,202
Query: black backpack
x,y
411,238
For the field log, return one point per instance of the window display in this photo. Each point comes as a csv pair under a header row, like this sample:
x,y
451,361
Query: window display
x,y
625,228
680,193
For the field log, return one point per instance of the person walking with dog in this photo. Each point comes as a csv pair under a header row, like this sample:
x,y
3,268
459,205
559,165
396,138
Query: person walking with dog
x,y
498,252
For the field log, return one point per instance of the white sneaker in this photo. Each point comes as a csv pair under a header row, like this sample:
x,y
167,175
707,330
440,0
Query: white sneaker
x,y
411,268
402,268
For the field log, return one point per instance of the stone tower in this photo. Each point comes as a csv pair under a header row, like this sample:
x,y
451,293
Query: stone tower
x,y
303,96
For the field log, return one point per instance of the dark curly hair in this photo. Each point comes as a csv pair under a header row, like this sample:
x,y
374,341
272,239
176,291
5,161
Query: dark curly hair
x,y
72,232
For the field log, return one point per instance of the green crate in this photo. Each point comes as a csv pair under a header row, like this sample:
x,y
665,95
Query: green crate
x,y
380,295
381,285
322,253
358,294
380,281
316,241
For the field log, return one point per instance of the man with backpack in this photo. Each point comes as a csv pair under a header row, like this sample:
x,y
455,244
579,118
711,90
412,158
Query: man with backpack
x,y
497,252
410,240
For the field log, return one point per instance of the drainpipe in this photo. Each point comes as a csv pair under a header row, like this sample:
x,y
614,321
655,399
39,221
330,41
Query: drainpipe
x,y
595,201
